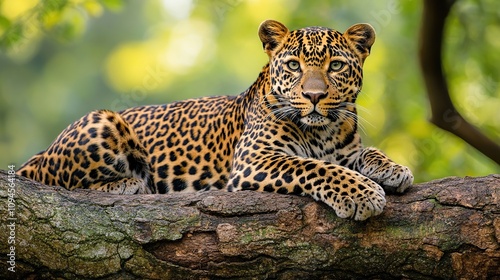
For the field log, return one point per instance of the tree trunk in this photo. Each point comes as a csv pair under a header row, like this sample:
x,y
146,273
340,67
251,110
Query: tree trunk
x,y
448,229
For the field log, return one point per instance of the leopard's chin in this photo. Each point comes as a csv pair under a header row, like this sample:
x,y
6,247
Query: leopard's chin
x,y
315,120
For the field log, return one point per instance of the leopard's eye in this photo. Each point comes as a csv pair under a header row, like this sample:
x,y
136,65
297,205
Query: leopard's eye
x,y
293,65
336,65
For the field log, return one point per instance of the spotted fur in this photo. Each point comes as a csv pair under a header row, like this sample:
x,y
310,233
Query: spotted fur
x,y
294,131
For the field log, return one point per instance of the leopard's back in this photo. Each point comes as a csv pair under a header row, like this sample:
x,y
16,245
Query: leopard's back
x,y
189,144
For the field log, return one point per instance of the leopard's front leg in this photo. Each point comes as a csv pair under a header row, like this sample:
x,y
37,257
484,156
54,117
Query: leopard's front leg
x,y
349,193
374,164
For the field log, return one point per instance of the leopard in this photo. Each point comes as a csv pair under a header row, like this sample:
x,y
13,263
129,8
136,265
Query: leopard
x,y
293,131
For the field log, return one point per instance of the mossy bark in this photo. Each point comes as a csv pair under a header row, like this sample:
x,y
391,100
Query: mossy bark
x,y
448,229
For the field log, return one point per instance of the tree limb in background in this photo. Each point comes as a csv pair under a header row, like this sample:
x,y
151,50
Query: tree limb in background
x,y
444,113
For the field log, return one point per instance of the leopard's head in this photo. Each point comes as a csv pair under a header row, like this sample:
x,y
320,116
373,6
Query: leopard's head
x,y
315,73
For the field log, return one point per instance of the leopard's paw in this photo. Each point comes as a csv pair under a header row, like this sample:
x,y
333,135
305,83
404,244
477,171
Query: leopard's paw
x,y
393,177
359,200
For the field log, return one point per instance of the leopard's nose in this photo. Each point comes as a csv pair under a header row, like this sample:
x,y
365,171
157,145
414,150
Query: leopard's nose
x,y
315,97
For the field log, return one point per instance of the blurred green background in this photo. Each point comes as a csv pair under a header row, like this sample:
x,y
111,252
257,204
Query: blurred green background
x,y
61,59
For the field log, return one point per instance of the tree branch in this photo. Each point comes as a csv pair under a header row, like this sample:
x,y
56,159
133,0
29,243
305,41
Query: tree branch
x,y
446,229
444,113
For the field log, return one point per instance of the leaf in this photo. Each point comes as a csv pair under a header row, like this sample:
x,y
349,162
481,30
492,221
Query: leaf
x,y
11,37
4,22
71,26
50,19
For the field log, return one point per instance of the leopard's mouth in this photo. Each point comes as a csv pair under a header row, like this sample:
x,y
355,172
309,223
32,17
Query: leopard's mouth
x,y
315,119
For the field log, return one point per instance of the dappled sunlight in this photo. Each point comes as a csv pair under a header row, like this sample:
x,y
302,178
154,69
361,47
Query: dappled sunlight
x,y
14,9
260,10
130,65
190,43
179,9
172,50
419,128
477,95
399,147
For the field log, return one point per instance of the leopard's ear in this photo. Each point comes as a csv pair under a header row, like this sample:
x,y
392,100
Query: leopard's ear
x,y
361,37
272,35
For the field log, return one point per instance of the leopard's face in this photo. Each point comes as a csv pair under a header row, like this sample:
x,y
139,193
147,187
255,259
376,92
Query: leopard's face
x,y
316,73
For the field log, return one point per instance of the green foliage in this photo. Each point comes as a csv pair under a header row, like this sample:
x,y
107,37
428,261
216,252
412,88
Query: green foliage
x,y
62,58
64,20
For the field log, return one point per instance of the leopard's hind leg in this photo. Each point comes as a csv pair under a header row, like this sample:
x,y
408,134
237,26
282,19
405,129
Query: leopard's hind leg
x,y
100,151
